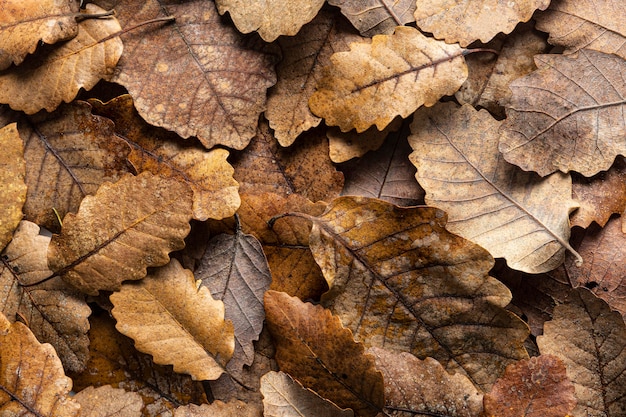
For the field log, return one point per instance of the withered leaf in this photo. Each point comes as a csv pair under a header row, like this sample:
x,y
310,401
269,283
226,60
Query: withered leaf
x,y
590,339
567,115
314,348
344,146
44,82
376,17
465,21
124,228
219,409
513,214
393,75
12,178
161,314
107,401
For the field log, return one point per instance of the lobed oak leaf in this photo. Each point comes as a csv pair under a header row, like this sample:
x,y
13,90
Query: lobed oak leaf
x,y
219,409
567,115
515,215
44,82
376,17
393,75
107,401
314,348
344,146
124,228
160,313
12,174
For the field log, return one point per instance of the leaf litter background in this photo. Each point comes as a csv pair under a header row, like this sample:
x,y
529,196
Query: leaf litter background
x,y
293,208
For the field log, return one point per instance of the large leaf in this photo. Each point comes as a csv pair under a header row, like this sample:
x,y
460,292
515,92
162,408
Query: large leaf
x,y
375,17
513,214
12,173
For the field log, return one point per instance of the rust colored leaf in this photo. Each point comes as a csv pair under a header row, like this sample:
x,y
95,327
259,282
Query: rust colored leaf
x,y
465,21
391,76
424,387
31,376
535,387
376,17
513,214
160,313
314,348
12,175
124,228
344,146
567,115
590,339
196,76
161,152
106,401
55,312
219,409
44,82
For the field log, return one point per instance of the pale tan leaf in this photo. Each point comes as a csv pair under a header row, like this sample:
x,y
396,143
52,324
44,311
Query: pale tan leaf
x,y
344,146
375,17
107,401
220,409
12,175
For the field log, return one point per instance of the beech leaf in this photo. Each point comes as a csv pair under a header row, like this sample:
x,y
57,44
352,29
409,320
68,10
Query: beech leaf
x,y
107,401
376,17
12,174
219,409
160,313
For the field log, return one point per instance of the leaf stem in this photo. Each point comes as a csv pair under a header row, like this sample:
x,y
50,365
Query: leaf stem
x,y
84,16
270,222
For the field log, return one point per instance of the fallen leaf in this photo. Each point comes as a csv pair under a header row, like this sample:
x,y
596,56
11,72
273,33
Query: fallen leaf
x,y
344,146
44,82
12,175
284,397
465,21
534,387
513,214
590,339
376,17
124,228
567,115
160,313
391,76
314,348
219,409
107,401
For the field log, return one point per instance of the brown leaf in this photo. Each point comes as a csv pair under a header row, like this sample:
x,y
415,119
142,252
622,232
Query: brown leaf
x,y
465,21
567,115
31,376
344,146
106,401
55,312
124,228
314,348
424,387
219,409
196,76
393,75
535,387
515,215
284,397
12,173
160,313
161,152
44,81
375,17
590,339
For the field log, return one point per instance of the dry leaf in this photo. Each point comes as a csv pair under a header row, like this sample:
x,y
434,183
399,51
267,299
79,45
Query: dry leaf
x,y
106,401
535,387
44,82
124,228
160,313
12,174
314,348
567,115
465,21
344,146
284,397
219,409
590,339
424,387
393,75
512,214
375,17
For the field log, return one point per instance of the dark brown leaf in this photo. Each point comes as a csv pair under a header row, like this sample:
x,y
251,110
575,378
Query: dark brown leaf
x,y
375,17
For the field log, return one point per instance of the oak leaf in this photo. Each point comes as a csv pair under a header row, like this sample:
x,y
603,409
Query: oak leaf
x,y
124,228
160,313
393,75
314,348
513,214
107,401
376,17
12,178
219,409
567,115
344,146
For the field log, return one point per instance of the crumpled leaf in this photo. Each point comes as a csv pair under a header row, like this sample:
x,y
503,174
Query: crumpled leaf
x,y
567,115
590,339
24,23
314,348
424,387
465,21
393,75
55,312
160,313
513,214
344,146
375,17
284,397
44,82
219,409
31,376
12,174
534,387
107,401
124,228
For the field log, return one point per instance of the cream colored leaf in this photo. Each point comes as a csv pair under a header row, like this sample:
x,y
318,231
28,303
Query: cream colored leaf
x,y
12,175
376,17
106,401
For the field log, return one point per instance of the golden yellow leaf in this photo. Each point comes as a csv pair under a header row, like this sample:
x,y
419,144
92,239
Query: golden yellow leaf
x,y
107,401
376,17
12,174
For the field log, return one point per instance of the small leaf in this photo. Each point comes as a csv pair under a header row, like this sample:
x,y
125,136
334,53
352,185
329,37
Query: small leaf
x,y
12,173
106,401
219,409
375,17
